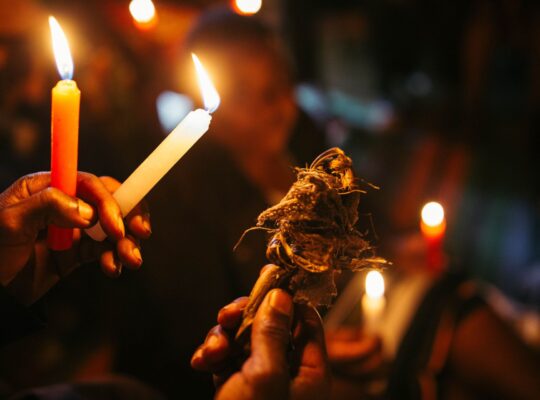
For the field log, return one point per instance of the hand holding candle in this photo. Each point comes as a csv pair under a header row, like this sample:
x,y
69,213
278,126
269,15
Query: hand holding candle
x,y
64,132
433,226
168,153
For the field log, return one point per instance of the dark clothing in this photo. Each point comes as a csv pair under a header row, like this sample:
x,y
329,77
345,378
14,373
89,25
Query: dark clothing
x,y
17,320
415,374
110,388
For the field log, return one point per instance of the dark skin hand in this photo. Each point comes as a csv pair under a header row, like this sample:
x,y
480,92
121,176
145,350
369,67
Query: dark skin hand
x,y
272,370
353,355
27,268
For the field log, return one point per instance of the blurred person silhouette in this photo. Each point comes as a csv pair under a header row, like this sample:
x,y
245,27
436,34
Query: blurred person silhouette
x,y
240,167
23,119
439,338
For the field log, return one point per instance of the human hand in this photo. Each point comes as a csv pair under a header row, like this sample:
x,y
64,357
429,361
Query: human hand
x,y
270,372
27,268
353,355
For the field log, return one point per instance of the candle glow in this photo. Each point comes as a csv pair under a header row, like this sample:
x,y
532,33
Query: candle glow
x,y
432,214
62,55
433,226
142,11
247,7
374,284
373,301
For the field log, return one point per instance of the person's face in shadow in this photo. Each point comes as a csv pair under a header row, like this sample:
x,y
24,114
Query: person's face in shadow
x,y
257,108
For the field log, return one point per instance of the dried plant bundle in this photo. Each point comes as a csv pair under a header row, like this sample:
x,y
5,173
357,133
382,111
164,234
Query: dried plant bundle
x,y
313,235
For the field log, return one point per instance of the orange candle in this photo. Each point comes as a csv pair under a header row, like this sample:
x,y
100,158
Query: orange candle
x,y
433,226
64,132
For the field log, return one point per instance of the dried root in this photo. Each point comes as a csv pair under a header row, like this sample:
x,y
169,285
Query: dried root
x,y
313,235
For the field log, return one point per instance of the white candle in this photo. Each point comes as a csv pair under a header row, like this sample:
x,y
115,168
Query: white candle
x,y
373,302
167,154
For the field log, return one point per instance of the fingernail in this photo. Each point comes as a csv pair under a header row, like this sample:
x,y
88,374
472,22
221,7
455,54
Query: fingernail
x,y
120,223
86,211
118,266
281,301
137,254
146,223
197,356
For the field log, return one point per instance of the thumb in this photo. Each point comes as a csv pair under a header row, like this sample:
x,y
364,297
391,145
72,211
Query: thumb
x,y
270,337
52,206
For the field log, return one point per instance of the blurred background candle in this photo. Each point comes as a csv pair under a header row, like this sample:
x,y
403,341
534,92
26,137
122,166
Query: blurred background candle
x,y
168,153
433,226
247,7
143,13
64,131
373,301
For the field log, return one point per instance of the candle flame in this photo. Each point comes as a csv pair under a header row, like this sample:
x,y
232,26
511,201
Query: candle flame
x,y
374,284
64,62
142,11
210,95
433,214
247,7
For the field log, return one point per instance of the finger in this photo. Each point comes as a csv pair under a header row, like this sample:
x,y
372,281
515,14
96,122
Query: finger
x,y
129,252
213,353
311,337
25,187
110,265
343,334
353,351
93,190
267,366
223,376
89,250
312,378
230,316
51,206
266,268
367,368
138,219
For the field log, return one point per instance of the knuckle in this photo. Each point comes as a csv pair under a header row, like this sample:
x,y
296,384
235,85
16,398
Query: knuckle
x,y
49,197
89,179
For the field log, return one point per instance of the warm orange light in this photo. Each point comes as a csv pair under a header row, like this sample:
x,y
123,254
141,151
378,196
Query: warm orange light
x,y
62,55
374,284
247,7
433,221
209,93
433,214
143,12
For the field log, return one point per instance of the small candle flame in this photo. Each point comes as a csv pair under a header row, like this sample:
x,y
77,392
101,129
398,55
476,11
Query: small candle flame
x,y
210,95
374,284
433,214
64,62
142,11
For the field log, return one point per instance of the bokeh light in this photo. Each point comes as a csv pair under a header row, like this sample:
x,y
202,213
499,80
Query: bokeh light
x,y
432,214
142,11
247,7
374,284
